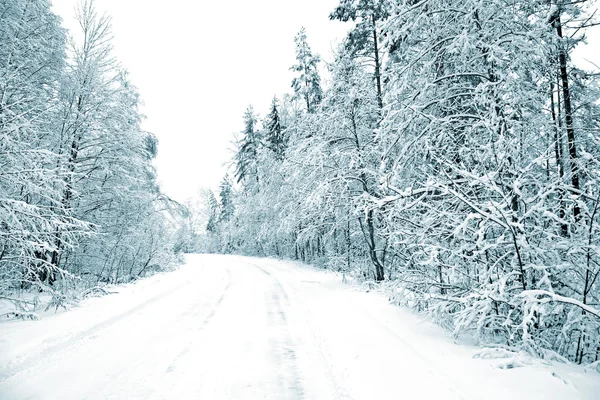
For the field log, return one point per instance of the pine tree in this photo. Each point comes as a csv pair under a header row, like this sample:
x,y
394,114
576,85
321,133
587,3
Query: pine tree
x,y
226,207
248,148
274,132
476,187
365,37
213,213
307,86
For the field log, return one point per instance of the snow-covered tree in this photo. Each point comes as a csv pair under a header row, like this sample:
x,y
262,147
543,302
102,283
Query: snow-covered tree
x,y
78,193
470,181
32,62
469,168
274,132
307,85
226,207
248,149
364,39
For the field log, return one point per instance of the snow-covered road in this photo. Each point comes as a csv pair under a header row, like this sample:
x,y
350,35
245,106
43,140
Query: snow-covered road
x,y
226,327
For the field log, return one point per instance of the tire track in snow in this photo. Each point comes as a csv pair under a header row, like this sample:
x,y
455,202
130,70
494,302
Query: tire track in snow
x,y
454,387
283,346
40,357
128,374
205,321
312,341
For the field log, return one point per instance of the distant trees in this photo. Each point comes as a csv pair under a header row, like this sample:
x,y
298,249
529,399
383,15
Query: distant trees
x,y
78,193
467,176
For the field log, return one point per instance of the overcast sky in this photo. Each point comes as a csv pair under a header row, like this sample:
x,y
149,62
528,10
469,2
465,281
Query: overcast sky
x,y
199,64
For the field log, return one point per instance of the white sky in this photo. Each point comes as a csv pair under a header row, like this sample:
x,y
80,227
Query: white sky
x,y
198,64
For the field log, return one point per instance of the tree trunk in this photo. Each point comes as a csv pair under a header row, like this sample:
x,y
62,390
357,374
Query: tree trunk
x,y
564,78
558,155
377,65
348,244
370,239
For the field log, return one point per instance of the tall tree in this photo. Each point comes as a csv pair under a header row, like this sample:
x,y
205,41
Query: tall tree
x,y
274,131
248,148
563,48
78,192
477,190
351,118
226,207
364,38
32,65
307,86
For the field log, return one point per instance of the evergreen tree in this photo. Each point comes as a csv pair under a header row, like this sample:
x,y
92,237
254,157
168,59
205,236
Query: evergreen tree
x,y
274,132
248,148
226,207
475,189
307,86
364,38
213,213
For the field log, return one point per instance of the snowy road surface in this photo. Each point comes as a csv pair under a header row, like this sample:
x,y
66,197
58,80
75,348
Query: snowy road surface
x,y
226,327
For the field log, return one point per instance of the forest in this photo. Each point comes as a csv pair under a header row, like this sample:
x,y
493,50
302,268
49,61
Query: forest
x,y
79,201
450,155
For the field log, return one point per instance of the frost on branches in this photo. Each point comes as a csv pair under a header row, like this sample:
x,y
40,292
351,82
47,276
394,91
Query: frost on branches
x,y
454,154
79,203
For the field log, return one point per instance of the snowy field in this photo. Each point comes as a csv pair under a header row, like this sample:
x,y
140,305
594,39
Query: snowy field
x,y
226,327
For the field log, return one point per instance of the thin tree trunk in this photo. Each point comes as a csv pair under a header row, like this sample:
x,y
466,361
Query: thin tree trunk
x,y
370,239
564,78
377,65
348,243
559,156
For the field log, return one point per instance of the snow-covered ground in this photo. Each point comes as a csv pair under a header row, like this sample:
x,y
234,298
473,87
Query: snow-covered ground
x,y
226,327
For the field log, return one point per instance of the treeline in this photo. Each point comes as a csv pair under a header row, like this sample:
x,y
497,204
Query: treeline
x,y
455,153
79,202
